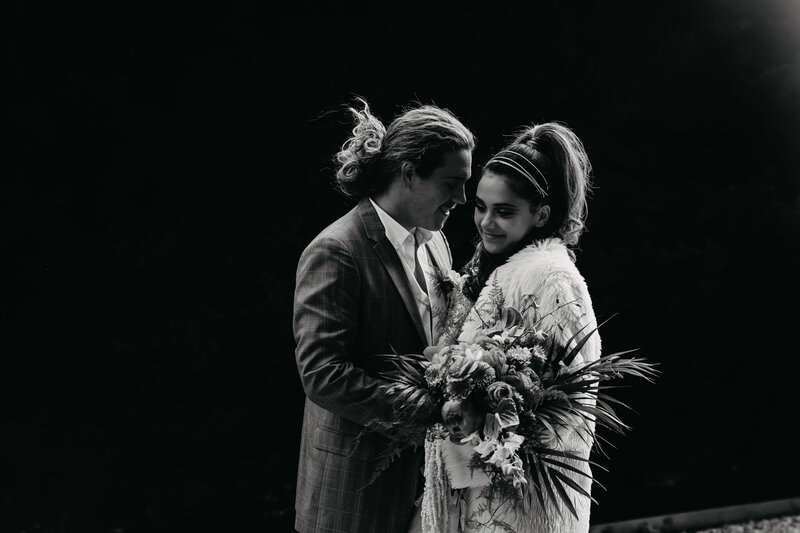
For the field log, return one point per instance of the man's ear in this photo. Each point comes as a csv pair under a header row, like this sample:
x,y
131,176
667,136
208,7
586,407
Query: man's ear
x,y
541,216
407,172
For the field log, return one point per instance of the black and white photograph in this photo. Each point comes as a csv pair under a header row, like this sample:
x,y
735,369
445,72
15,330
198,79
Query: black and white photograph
x,y
401,267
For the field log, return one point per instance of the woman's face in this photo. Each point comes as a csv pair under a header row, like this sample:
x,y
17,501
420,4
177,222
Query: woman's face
x,y
502,217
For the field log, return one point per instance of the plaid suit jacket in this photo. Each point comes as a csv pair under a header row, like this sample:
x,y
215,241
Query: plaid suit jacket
x,y
352,301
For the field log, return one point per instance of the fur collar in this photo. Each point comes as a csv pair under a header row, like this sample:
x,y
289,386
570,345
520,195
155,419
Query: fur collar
x,y
537,261
552,247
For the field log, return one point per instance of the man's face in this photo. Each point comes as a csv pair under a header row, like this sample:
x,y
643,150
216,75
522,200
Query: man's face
x,y
431,199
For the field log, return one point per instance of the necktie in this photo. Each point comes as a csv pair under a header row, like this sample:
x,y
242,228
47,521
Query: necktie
x,y
418,273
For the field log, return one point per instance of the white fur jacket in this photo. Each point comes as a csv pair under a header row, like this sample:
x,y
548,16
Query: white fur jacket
x,y
546,271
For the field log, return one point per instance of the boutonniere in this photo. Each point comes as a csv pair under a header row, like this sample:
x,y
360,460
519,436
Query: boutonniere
x,y
445,282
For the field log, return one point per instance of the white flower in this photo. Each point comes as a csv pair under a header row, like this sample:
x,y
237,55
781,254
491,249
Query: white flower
x,y
540,335
514,470
472,438
486,447
500,455
506,450
539,352
519,355
475,353
492,426
514,441
455,277
500,339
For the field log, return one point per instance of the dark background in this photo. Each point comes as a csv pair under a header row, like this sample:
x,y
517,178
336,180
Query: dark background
x,y
167,164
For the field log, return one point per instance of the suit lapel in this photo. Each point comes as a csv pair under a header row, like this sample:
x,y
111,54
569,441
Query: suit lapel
x,y
441,267
391,262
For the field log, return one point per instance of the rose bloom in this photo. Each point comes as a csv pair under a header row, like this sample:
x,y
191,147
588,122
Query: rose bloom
x,y
461,418
498,391
524,381
455,363
444,356
494,357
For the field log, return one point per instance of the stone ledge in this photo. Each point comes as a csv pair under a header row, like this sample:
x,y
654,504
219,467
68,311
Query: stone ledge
x,y
698,520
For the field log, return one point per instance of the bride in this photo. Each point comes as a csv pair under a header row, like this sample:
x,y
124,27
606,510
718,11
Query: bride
x,y
530,208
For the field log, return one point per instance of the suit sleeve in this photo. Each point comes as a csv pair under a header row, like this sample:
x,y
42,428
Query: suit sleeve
x,y
326,317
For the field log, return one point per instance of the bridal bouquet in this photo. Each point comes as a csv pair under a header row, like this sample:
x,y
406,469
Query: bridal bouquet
x,y
509,394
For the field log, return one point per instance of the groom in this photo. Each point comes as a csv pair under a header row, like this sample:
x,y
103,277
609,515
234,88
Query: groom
x,y
361,290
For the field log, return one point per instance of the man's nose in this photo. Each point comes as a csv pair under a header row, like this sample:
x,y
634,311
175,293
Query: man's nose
x,y
461,195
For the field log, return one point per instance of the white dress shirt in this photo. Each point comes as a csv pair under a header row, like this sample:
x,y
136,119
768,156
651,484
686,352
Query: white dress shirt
x,y
403,241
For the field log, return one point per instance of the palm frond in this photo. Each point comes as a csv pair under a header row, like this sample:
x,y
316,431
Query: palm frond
x,y
573,485
409,365
563,354
566,466
556,416
538,483
547,483
541,451
573,353
542,317
550,427
599,443
557,478
547,454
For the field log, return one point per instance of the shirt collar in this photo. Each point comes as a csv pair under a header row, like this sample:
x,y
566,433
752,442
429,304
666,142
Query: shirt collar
x,y
396,233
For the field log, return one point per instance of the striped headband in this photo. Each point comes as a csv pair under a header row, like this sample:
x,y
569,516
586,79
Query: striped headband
x,y
504,158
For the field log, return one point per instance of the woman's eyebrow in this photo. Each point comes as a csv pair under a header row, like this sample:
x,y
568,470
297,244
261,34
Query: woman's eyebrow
x,y
501,204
